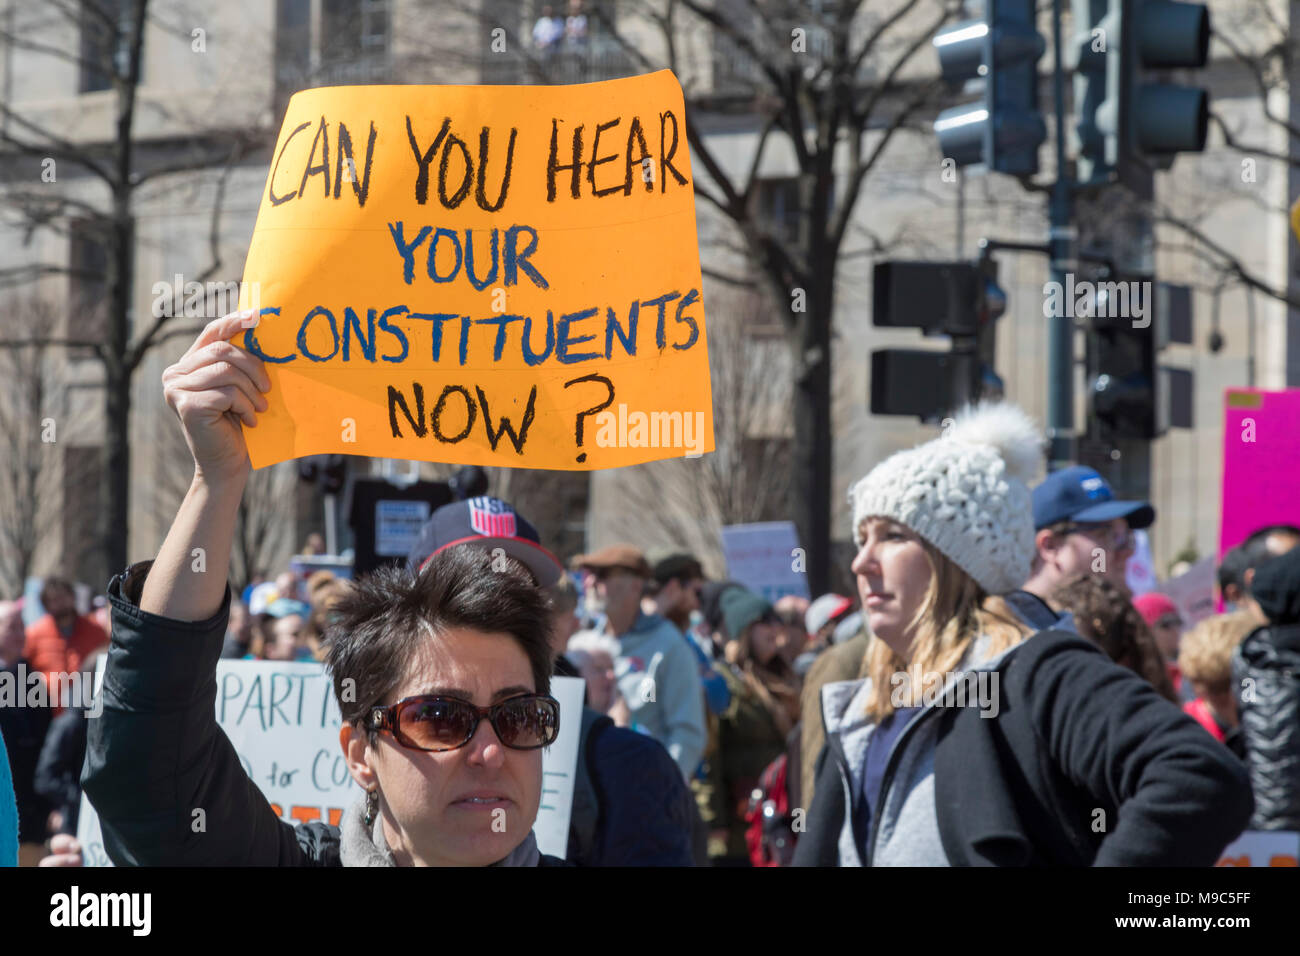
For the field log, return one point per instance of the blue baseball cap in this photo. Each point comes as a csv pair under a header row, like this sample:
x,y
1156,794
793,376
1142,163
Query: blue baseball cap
x,y
1080,494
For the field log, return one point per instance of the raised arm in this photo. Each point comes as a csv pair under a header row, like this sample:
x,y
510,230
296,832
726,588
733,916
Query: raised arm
x,y
213,387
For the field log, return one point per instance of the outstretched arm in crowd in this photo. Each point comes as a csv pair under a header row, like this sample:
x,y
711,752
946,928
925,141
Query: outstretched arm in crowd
x,y
165,779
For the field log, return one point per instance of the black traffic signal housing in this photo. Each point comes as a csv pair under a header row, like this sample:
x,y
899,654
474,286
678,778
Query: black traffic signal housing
x,y
1121,112
996,54
958,299
1130,395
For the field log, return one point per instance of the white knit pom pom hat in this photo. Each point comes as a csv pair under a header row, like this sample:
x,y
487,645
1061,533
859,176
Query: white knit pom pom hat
x,y
966,492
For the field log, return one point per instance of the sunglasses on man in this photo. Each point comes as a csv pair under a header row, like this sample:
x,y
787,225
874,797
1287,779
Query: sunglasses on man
x,y
1103,534
438,724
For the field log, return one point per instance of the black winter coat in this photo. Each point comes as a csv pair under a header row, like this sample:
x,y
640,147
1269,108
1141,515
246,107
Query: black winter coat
x,y
1266,673
58,772
1075,733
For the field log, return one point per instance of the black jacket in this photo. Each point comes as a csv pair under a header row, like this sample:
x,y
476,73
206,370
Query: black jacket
x,y
58,772
1266,673
1075,733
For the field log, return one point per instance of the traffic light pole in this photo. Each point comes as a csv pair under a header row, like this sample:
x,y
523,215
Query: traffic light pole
x,y
1062,234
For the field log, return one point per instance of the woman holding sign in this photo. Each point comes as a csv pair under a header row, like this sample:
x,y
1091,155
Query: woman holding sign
x,y
442,680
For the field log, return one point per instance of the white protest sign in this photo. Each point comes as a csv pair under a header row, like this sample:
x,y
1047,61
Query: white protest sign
x,y
766,558
284,723
1193,591
1140,572
1262,848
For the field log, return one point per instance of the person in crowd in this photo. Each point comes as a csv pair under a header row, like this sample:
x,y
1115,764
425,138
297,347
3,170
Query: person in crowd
x,y
1161,615
674,592
445,713
657,674
1205,658
1104,613
822,616
753,731
1230,580
592,654
58,771
24,729
239,631
287,586
314,544
840,662
58,641
1266,680
548,31
575,27
564,623
791,611
630,805
929,761
1080,528
8,811
287,622
673,589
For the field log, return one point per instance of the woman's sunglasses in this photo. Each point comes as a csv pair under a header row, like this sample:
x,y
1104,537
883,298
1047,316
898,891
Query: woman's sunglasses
x,y
447,723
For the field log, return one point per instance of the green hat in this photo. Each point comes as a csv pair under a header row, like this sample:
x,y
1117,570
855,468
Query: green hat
x,y
741,608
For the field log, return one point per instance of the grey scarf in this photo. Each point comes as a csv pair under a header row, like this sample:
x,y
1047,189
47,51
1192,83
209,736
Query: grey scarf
x,y
359,848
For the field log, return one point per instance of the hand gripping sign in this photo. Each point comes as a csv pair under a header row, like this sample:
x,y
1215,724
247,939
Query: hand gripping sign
x,y
482,275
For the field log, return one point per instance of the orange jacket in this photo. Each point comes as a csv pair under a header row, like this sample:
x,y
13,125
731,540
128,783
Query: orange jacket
x,y
49,651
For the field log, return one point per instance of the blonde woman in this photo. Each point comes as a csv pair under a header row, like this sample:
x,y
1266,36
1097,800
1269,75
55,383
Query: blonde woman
x,y
970,744
1205,659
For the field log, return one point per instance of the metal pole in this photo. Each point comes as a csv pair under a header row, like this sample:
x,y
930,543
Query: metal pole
x,y
1061,239
331,526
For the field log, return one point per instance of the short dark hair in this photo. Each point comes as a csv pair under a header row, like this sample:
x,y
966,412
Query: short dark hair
x,y
377,627
1232,569
1255,547
55,583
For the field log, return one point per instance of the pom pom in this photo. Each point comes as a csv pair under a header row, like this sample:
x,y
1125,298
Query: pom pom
x,y
1006,428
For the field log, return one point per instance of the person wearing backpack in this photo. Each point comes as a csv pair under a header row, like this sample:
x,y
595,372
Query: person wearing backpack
x,y
975,740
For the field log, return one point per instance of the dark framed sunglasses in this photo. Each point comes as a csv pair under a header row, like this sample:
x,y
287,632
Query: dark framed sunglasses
x,y
437,724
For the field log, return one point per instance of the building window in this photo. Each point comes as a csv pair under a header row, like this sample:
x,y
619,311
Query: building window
x,y
88,270
776,207
330,43
559,41
105,43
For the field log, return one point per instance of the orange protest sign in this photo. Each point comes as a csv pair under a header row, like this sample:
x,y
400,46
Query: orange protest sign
x,y
481,275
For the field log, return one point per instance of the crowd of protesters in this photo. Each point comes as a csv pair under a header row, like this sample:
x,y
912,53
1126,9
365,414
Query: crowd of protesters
x,y
992,694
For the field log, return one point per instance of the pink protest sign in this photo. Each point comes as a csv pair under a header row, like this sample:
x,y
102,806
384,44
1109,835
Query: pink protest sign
x,y
1261,462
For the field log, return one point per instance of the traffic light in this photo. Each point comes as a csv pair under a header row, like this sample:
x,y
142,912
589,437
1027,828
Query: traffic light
x,y
958,299
999,51
1120,112
1130,394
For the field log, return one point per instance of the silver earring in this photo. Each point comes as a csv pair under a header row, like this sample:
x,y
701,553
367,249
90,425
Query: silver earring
x,y
372,805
